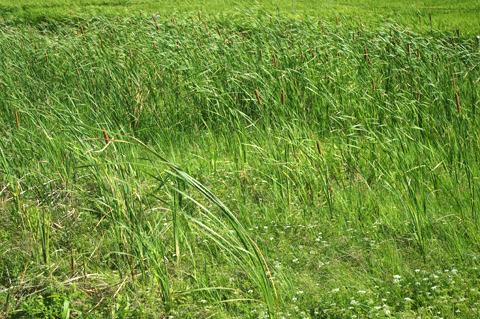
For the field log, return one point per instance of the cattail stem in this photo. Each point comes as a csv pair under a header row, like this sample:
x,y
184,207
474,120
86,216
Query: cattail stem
x,y
259,101
453,76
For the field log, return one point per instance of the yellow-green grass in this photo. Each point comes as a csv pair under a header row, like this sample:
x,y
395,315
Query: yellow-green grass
x,y
445,15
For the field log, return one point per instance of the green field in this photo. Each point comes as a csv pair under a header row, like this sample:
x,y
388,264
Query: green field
x,y
223,161
439,15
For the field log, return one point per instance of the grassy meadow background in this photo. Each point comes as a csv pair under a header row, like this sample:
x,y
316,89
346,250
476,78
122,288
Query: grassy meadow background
x,y
223,160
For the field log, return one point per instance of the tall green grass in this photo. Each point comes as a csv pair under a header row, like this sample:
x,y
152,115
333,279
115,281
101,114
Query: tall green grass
x,y
238,168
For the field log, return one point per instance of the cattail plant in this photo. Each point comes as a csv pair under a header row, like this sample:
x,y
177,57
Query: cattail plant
x,y
16,119
105,136
259,101
319,150
83,33
457,102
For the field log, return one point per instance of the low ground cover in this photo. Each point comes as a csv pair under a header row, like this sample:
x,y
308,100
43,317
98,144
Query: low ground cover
x,y
342,161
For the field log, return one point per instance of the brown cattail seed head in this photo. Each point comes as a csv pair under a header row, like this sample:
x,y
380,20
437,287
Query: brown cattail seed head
x,y
83,33
319,149
16,119
258,98
457,102
105,136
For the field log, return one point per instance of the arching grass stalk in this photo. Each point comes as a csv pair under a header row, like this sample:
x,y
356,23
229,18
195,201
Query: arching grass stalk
x,y
252,261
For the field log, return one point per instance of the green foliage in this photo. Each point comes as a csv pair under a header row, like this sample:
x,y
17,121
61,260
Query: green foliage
x,y
238,167
434,15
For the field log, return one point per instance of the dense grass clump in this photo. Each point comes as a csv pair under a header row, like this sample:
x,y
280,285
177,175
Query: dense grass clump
x,y
246,167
